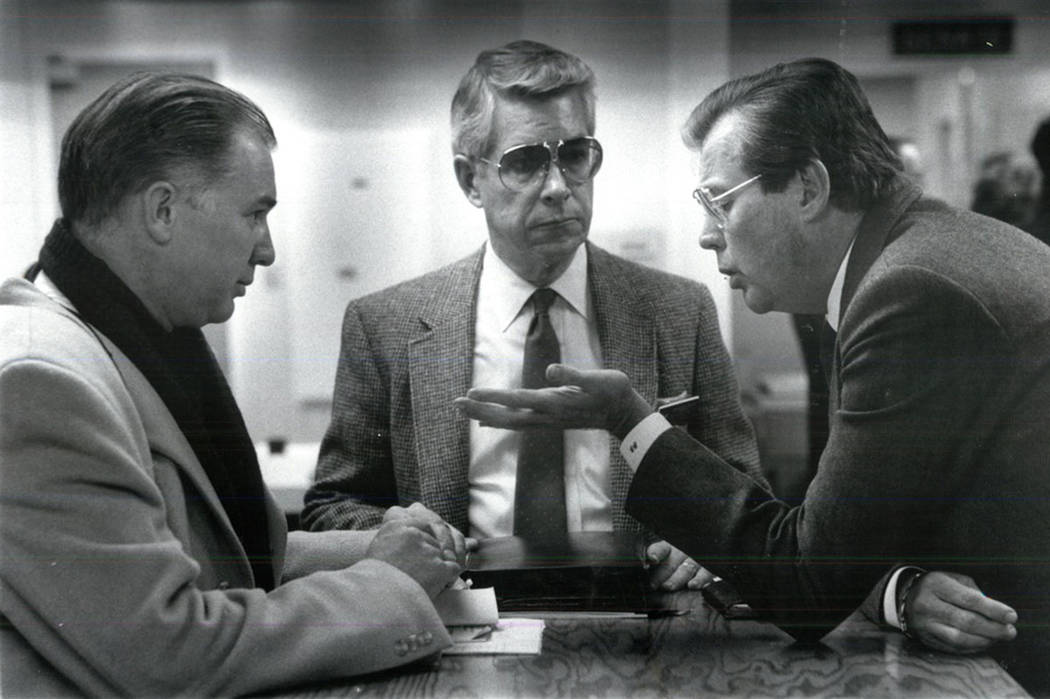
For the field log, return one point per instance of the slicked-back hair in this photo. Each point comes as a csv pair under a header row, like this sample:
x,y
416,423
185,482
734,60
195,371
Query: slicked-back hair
x,y
795,112
520,70
148,127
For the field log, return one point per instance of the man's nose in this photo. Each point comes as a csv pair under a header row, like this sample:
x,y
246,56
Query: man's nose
x,y
264,253
555,187
712,237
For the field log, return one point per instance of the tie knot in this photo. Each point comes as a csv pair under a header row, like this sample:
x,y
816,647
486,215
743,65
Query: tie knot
x,y
542,300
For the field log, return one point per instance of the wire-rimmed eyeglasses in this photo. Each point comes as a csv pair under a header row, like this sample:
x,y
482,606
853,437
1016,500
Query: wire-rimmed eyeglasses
x,y
714,205
522,166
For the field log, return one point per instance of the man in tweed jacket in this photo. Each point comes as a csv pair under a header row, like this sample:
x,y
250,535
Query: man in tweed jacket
x,y
409,351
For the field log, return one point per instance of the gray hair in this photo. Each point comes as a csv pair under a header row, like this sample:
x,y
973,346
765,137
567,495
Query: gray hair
x,y
519,70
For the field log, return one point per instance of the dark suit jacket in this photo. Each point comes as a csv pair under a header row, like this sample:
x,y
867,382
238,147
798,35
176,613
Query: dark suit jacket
x,y
408,351
939,452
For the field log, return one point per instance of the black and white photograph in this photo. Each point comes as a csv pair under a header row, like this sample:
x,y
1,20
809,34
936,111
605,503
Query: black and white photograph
x,y
524,348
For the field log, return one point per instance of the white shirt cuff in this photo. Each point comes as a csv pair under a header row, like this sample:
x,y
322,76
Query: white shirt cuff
x,y
889,598
637,442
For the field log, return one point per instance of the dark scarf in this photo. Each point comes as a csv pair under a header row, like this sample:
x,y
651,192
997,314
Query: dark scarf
x,y
182,369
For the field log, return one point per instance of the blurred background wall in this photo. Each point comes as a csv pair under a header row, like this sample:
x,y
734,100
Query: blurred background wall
x,y
359,92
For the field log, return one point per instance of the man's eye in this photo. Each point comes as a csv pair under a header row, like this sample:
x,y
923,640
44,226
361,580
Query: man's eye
x,y
524,161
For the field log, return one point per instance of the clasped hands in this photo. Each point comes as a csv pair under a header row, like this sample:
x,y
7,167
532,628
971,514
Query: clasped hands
x,y
947,611
418,542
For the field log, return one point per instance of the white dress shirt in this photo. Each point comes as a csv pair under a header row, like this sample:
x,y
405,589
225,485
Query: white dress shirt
x,y
502,322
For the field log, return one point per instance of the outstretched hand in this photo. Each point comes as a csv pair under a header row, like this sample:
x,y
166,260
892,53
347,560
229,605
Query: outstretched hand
x,y
577,399
948,612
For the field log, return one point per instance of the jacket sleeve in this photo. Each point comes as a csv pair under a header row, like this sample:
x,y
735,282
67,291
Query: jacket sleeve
x,y
96,583
918,357
720,422
355,482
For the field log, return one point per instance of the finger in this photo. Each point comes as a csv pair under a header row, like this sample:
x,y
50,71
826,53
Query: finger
x,y
659,574
702,577
563,374
657,551
588,381
952,640
523,398
418,529
395,512
682,575
442,533
495,415
667,559
937,611
966,595
418,509
459,544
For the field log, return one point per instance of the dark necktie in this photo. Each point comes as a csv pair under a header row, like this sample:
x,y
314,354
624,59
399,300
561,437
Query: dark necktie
x,y
539,494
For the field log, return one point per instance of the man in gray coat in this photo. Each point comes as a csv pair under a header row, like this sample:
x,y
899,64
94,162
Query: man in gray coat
x,y
142,553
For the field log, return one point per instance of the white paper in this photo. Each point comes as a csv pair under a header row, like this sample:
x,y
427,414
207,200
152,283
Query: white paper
x,y
468,607
510,637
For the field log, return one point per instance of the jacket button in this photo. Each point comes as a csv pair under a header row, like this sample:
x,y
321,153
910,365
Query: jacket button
x,y
401,647
224,585
427,637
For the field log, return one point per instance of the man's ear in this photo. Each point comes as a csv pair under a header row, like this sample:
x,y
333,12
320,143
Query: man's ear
x,y
158,202
816,189
466,175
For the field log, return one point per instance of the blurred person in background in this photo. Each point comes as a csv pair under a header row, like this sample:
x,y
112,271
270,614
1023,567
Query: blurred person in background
x,y
1039,226
1006,188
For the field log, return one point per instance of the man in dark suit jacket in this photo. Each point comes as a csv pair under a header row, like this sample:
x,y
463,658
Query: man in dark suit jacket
x,y
938,450
409,351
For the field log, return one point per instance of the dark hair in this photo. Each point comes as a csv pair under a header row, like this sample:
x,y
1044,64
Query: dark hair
x,y
794,112
143,129
520,70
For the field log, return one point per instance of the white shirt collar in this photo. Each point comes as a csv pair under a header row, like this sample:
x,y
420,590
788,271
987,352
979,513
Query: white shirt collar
x,y
835,295
509,293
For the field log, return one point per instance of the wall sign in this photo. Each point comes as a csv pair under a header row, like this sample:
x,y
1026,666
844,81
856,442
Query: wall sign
x,y
954,36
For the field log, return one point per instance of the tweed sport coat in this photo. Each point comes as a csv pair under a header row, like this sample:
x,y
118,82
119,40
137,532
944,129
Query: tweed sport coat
x,y
407,352
121,573
939,453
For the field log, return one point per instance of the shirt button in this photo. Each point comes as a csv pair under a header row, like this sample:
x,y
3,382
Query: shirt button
x,y
224,585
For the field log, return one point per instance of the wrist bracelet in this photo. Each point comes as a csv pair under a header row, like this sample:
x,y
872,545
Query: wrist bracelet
x,y
902,599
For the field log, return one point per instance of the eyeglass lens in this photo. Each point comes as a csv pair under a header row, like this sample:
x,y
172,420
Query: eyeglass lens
x,y
578,159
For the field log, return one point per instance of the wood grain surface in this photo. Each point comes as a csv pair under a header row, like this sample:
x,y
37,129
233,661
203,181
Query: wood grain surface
x,y
693,655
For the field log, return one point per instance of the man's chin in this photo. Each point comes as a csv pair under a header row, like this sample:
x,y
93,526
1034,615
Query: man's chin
x,y
757,301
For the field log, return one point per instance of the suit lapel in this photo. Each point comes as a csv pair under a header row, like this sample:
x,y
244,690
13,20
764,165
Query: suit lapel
x,y
627,337
873,235
162,431
167,439
441,361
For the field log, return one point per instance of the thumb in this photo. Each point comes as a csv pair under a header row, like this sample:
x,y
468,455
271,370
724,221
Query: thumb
x,y
562,374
